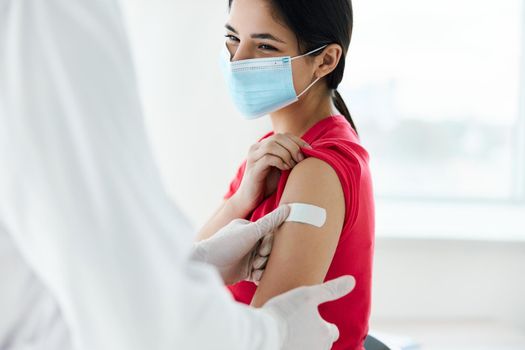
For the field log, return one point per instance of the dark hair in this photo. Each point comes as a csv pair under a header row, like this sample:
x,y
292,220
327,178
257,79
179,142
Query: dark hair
x,y
317,23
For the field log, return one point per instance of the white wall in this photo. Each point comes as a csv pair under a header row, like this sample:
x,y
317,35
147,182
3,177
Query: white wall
x,y
449,280
199,139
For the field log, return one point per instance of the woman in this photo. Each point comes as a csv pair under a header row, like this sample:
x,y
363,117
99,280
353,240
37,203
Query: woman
x,y
286,58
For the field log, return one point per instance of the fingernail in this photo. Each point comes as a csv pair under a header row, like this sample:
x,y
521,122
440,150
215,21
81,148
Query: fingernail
x,y
306,145
300,157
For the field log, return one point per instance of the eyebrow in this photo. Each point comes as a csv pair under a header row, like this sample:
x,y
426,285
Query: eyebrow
x,y
267,36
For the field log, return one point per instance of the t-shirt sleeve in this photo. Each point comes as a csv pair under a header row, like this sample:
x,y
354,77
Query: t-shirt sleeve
x,y
236,182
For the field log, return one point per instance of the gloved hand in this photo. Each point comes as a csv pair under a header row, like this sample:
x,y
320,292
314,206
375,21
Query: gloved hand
x,y
260,258
297,313
239,250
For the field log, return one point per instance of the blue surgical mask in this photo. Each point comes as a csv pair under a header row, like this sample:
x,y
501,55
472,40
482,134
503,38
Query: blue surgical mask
x,y
259,86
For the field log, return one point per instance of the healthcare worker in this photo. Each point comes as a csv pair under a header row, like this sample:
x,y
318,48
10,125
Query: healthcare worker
x,y
107,260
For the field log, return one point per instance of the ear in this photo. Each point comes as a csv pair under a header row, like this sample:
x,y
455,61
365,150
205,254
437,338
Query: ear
x,y
328,60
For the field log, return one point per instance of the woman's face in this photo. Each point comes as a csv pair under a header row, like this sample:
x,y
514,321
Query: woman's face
x,y
252,31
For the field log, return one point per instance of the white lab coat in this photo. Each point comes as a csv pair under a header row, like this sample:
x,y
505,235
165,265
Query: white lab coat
x,y
30,318
83,203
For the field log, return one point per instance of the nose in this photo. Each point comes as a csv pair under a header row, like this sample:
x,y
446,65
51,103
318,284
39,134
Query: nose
x,y
241,52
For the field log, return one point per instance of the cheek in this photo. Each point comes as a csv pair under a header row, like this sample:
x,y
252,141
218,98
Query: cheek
x,y
302,76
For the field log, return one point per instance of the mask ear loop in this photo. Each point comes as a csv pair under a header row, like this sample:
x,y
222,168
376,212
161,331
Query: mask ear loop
x,y
310,52
316,80
308,87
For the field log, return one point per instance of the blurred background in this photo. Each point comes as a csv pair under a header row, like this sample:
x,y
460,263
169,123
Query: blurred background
x,y
437,92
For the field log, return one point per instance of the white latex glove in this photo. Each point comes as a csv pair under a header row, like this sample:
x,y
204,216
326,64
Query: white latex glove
x,y
235,248
261,256
301,324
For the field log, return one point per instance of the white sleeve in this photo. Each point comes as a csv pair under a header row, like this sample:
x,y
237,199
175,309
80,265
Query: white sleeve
x,y
82,198
30,319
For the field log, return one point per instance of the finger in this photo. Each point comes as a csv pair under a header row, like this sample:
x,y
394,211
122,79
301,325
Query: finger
x,y
259,262
252,151
333,331
276,149
293,148
266,245
332,290
270,160
257,275
268,224
299,141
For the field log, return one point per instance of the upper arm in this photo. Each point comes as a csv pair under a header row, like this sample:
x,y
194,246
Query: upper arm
x,y
302,253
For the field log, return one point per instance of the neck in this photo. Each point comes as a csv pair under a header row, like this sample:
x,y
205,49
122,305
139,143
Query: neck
x,y
297,118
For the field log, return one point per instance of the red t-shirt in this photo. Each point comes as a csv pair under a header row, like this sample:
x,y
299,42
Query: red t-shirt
x,y
336,143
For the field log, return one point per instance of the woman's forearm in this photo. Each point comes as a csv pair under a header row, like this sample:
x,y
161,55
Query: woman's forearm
x,y
229,210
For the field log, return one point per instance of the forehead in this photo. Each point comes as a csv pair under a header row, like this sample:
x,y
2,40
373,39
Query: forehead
x,y
257,16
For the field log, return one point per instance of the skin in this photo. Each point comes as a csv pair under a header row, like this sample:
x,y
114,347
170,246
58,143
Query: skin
x,y
301,253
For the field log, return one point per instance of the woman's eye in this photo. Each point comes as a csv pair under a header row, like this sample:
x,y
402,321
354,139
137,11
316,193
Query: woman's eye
x,y
232,38
267,47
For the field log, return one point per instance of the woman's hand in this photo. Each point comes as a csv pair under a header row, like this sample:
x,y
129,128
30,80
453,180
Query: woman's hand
x,y
266,159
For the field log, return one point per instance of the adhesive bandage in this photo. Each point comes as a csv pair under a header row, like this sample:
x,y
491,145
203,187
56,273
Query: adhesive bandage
x,y
307,214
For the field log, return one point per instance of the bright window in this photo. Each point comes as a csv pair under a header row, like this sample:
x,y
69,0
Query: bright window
x,y
434,88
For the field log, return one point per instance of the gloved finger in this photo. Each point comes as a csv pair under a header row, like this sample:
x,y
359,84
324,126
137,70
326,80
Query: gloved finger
x,y
259,262
333,331
331,290
266,245
270,222
256,276
239,222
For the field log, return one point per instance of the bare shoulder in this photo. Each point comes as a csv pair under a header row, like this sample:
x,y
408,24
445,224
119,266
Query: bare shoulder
x,y
314,180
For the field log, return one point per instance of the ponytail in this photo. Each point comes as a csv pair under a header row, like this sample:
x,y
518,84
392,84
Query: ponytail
x,y
341,107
